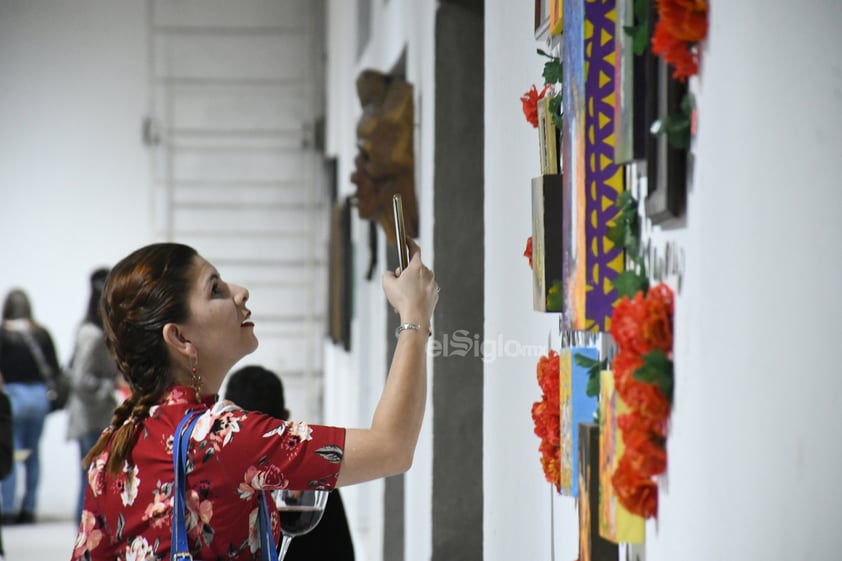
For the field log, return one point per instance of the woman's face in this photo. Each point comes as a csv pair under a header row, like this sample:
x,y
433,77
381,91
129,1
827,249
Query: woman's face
x,y
218,326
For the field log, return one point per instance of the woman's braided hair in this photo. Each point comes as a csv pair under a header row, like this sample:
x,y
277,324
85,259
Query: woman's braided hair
x,y
143,292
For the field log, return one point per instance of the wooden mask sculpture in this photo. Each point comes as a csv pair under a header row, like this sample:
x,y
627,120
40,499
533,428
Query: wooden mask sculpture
x,y
385,163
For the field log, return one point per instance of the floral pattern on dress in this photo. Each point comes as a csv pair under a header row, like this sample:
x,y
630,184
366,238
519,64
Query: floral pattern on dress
x,y
158,513
140,550
88,537
96,474
256,479
232,456
129,483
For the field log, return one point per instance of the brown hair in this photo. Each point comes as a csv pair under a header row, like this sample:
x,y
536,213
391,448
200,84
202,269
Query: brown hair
x,y
17,305
143,292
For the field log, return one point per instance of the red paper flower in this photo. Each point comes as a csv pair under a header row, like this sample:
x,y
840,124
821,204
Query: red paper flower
x,y
681,24
637,493
686,20
645,444
640,326
643,323
546,415
528,251
530,103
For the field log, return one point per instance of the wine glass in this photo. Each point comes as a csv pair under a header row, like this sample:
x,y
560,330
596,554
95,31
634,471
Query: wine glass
x,y
300,511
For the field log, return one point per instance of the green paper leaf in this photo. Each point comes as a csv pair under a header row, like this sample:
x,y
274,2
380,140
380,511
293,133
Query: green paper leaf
x,y
617,235
629,283
657,369
641,39
585,361
555,103
641,12
630,30
553,72
557,121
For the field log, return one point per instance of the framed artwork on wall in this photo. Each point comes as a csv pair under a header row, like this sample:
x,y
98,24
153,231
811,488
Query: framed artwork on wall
x,y
666,165
542,18
548,18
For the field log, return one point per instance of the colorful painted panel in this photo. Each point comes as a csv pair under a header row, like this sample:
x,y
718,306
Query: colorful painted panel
x,y
615,522
573,158
630,125
592,180
592,547
566,422
576,407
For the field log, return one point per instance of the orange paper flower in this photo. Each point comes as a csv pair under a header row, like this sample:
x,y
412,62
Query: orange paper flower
x,y
528,251
640,326
686,20
530,103
681,25
637,493
546,415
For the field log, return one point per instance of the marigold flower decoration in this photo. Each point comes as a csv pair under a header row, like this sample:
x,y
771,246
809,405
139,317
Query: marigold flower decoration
x,y
681,25
528,251
642,328
530,103
546,415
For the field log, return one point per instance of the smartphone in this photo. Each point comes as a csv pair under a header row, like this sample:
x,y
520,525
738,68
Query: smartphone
x,y
400,232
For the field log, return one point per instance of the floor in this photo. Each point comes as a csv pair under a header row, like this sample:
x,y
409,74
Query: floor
x,y
44,541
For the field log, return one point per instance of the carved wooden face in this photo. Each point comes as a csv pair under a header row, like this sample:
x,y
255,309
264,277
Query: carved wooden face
x,y
385,164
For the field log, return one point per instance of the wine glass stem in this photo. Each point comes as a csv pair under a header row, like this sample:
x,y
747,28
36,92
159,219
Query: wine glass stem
x,y
282,550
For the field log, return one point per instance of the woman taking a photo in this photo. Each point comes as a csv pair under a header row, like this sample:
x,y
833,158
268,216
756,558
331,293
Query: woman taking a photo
x,y
175,329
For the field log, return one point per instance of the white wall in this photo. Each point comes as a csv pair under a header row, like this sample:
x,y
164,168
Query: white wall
x,y
73,171
517,499
755,445
754,442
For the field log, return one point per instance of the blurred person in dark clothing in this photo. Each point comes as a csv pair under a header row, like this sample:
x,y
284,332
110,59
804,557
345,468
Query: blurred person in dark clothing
x,y
255,388
26,350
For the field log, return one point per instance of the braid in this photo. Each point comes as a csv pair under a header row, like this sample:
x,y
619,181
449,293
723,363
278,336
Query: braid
x,y
143,292
115,432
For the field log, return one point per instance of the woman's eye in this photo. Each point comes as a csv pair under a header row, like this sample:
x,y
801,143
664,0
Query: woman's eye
x,y
216,289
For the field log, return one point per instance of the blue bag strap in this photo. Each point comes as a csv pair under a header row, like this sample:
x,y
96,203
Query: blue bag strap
x,y
180,550
268,549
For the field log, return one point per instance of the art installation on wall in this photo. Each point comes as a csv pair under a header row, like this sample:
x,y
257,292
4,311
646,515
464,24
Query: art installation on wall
x,y
385,162
616,523
576,407
624,84
592,546
592,180
573,156
630,52
546,244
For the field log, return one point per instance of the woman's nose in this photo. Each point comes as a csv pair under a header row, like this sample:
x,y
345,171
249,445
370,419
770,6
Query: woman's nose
x,y
241,294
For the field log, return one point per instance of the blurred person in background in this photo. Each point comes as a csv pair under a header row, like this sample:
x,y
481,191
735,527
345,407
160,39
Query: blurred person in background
x,y
255,388
94,378
26,350
7,444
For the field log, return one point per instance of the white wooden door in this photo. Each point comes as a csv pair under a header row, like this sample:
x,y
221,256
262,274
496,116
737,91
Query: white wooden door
x,y
237,88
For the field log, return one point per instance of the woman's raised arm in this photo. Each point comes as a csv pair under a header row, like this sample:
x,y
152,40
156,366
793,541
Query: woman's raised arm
x,y
388,445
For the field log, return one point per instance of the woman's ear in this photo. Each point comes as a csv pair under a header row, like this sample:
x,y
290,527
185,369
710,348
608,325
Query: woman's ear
x,y
175,339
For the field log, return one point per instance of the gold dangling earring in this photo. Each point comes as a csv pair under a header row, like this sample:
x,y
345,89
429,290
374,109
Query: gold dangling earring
x,y
197,383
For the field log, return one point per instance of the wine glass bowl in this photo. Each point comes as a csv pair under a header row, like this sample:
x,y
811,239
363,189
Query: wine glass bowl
x,y
300,512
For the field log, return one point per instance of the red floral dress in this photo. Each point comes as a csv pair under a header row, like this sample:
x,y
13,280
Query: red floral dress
x,y
232,454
